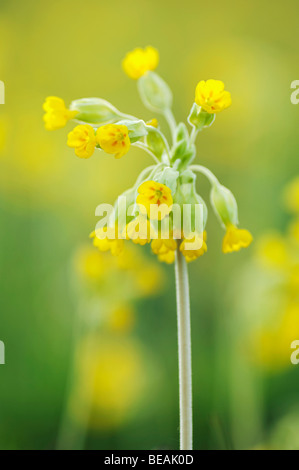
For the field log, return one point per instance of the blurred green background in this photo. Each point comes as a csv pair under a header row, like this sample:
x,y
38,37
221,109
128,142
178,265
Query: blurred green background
x,y
73,49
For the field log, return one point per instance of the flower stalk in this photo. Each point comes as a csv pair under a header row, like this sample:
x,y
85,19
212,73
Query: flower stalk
x,y
184,351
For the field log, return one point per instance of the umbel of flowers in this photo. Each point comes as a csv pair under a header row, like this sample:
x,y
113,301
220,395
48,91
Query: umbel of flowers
x,y
163,207
172,180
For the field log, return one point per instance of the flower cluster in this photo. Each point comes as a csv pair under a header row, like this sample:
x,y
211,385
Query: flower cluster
x,y
163,207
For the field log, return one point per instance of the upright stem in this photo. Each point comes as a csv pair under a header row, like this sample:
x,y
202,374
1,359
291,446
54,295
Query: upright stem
x,y
184,343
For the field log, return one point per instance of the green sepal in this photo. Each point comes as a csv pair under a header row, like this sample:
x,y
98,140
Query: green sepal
x,y
169,177
199,118
95,111
182,132
186,194
185,152
137,129
155,143
154,92
224,205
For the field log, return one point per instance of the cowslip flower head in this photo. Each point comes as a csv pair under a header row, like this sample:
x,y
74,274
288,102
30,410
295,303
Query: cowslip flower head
x,y
114,139
139,61
56,113
235,239
211,96
165,194
83,140
155,198
105,239
199,239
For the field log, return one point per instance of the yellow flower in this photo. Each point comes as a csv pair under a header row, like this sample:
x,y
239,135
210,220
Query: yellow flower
x,y
165,249
235,239
155,199
105,239
139,61
192,254
153,123
57,115
211,96
160,246
139,230
168,257
114,139
83,140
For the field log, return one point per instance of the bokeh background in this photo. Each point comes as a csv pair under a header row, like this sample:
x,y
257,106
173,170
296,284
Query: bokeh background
x,y
91,354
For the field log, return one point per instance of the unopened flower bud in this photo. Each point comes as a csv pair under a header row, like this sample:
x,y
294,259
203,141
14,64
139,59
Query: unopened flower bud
x,y
224,205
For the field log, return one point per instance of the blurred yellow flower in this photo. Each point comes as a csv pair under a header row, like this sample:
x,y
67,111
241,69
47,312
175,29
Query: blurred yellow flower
x,y
294,230
272,251
235,239
272,345
110,380
83,140
114,139
291,195
57,115
139,61
155,198
135,274
146,277
211,96
121,319
105,239
90,263
193,254
130,258
149,278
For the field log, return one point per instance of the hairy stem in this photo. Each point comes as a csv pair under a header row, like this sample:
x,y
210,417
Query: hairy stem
x,y
205,171
142,146
193,135
172,123
184,346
